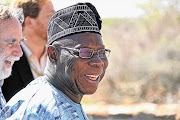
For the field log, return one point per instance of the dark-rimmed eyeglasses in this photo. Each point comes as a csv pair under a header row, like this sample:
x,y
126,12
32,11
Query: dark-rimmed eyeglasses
x,y
89,53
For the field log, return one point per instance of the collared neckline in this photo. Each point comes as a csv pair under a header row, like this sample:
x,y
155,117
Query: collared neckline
x,y
1,82
26,50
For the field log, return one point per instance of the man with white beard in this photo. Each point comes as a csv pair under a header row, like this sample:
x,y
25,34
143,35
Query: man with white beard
x,y
10,39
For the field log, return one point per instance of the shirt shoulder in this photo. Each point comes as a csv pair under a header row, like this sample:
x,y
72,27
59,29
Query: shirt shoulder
x,y
40,100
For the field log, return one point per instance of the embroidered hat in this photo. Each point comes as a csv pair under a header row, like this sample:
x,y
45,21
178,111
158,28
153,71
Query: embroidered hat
x,y
81,17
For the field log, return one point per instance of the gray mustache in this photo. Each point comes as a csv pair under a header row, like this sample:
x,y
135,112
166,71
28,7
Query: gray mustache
x,y
12,58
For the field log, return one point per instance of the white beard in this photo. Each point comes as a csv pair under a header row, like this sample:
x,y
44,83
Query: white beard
x,y
6,72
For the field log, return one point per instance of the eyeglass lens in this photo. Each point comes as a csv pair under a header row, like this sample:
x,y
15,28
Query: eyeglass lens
x,y
88,53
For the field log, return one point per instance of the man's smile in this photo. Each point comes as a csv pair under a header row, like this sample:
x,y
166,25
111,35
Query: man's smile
x,y
8,63
92,77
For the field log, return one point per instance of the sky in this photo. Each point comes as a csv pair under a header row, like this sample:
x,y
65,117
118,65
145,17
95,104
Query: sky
x,y
108,8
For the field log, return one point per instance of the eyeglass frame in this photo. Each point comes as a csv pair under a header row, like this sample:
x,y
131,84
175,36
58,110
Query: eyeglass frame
x,y
92,54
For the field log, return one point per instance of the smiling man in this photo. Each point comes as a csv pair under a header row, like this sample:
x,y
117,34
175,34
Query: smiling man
x,y
31,65
77,61
10,38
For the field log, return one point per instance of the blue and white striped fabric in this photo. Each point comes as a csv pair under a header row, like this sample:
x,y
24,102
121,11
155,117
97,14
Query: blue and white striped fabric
x,y
2,99
40,100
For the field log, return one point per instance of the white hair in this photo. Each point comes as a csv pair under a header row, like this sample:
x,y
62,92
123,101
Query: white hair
x,y
8,12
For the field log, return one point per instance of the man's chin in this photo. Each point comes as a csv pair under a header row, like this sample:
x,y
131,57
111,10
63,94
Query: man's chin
x,y
5,73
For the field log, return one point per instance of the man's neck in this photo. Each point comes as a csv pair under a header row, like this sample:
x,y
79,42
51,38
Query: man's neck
x,y
74,97
36,46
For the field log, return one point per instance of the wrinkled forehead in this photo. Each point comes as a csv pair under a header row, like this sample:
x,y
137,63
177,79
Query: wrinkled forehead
x,y
4,22
8,24
80,39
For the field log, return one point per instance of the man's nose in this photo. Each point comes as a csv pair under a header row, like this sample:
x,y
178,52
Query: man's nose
x,y
17,51
96,62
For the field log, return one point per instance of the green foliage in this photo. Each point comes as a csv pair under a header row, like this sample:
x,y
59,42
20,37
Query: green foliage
x,y
6,2
110,21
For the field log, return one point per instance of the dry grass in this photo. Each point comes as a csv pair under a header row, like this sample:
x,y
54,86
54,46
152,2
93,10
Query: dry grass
x,y
157,110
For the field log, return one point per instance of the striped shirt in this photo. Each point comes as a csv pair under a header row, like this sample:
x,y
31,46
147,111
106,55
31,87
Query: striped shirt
x,y
40,100
2,99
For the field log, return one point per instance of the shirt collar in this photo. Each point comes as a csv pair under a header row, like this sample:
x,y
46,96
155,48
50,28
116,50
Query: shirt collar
x,y
26,50
1,82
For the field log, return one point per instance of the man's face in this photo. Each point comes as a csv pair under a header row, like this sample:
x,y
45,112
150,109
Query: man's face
x,y
10,50
85,73
41,22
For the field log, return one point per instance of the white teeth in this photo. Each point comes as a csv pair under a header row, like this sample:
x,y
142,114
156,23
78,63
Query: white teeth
x,y
92,77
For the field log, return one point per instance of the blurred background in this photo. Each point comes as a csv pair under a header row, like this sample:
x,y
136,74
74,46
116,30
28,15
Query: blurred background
x,y
144,64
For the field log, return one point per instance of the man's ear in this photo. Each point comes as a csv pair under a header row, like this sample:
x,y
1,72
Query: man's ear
x,y
52,53
28,22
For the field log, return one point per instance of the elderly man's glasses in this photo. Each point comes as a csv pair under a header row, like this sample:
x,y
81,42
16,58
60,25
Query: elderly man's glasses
x,y
88,53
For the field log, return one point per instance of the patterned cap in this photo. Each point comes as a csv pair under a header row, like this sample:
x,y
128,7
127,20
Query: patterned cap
x,y
81,17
